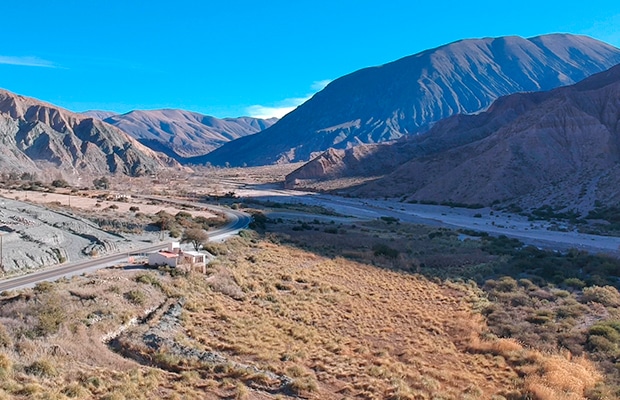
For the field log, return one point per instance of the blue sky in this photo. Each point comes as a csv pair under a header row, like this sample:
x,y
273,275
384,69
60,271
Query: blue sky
x,y
232,58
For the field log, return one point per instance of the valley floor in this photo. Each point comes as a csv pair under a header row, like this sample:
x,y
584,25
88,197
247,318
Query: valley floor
x,y
538,233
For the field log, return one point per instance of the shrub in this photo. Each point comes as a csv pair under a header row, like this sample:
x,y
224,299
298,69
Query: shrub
x,y
5,339
137,297
60,183
134,209
258,220
148,279
574,283
101,183
42,368
608,329
505,284
182,215
605,295
43,287
381,249
6,365
51,315
305,384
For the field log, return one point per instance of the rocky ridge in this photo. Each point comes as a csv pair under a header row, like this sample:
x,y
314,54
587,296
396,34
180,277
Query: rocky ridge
x,y
560,146
42,138
408,96
181,134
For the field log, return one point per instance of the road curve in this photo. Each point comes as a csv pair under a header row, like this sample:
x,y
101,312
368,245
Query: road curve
x,y
237,220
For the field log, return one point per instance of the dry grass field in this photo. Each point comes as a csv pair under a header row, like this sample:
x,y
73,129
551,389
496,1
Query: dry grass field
x,y
270,320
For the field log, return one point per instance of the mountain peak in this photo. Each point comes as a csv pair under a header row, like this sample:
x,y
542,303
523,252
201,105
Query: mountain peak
x,y
408,96
181,134
38,135
558,147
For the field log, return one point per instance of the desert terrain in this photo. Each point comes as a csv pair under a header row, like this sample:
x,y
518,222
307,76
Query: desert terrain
x,y
325,297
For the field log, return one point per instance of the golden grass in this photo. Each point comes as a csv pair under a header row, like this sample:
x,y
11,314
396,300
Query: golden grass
x,y
350,326
338,328
563,377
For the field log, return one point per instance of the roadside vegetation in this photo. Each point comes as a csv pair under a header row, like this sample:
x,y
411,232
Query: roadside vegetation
x,y
600,220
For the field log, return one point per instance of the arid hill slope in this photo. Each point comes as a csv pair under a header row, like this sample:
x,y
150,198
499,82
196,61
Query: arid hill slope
x,y
37,135
561,146
408,96
181,134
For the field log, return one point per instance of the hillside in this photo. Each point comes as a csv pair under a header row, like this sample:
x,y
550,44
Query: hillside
x,y
99,114
272,321
561,146
181,134
41,138
408,96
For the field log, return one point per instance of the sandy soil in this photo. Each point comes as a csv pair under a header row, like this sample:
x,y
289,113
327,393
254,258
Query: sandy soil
x,y
88,203
538,233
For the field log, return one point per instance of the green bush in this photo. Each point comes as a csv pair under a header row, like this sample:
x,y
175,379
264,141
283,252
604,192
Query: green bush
x,y
42,368
605,295
381,249
51,315
606,330
574,283
137,297
148,279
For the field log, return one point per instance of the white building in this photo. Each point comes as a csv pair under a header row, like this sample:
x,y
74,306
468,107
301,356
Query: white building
x,y
176,258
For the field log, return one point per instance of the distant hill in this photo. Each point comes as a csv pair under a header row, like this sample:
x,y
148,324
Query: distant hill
x,y
99,114
181,134
408,96
40,137
560,146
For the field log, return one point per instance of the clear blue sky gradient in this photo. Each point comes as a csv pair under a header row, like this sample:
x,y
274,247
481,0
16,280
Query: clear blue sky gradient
x,y
223,57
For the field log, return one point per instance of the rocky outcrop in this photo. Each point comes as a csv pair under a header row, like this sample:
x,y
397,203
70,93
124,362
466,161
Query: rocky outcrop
x,y
141,342
408,96
33,237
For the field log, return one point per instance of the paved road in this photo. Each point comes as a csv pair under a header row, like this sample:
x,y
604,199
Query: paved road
x,y
73,268
237,221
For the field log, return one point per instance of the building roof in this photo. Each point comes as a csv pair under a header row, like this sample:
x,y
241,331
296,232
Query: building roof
x,y
168,254
194,253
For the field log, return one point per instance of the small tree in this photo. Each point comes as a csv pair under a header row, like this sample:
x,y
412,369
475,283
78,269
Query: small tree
x,y
101,183
164,220
60,183
196,236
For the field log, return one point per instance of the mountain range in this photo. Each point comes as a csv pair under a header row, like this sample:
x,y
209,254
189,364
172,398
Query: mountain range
x,y
560,146
182,134
408,96
38,137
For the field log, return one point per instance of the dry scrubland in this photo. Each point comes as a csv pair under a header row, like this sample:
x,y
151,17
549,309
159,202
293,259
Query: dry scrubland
x,y
274,320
